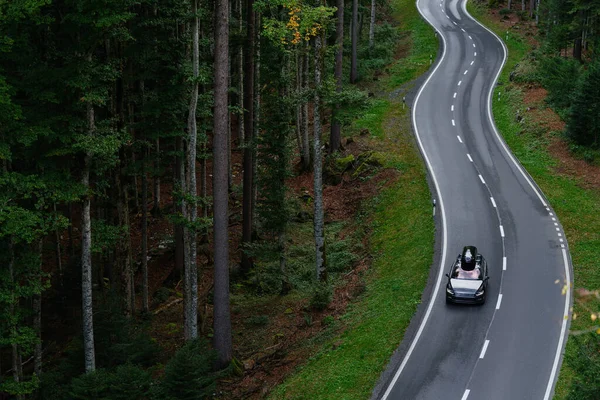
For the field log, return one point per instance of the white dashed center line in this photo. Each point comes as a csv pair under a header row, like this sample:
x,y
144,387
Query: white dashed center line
x,y
481,178
470,37
454,94
485,346
493,202
472,62
466,71
459,82
503,263
459,139
469,156
465,395
475,54
474,45
452,107
501,231
499,301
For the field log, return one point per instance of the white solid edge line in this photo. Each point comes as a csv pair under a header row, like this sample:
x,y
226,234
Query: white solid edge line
x,y
503,263
465,395
501,231
499,301
469,156
563,330
481,178
443,215
493,202
485,346
459,139
559,346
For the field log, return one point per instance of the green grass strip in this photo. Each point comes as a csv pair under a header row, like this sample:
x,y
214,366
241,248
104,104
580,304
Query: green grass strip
x,y
577,208
402,241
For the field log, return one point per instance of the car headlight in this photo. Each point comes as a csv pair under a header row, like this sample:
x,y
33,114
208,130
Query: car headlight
x,y
449,290
480,291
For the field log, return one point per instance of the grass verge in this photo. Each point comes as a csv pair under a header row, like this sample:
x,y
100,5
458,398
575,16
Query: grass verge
x,y
349,365
573,205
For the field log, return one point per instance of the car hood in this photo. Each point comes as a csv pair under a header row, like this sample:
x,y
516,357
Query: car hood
x,y
466,285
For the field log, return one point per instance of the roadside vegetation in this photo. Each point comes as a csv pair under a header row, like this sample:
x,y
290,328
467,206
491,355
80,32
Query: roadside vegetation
x,y
348,365
562,157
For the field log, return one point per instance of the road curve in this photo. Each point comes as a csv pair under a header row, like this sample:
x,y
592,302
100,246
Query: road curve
x,y
509,348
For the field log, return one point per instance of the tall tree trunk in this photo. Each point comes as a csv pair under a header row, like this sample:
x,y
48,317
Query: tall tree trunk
x,y
240,72
318,167
372,25
156,205
222,319
247,200
58,251
531,8
13,301
335,135
522,5
509,3
178,228
191,272
305,133
354,59
37,319
86,257
144,228
256,120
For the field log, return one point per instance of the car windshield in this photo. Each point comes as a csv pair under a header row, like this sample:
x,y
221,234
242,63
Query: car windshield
x,y
460,273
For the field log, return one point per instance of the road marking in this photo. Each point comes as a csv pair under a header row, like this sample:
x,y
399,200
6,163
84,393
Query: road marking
x,y
551,214
474,45
454,95
470,37
563,329
493,202
560,234
501,231
503,263
444,223
459,139
499,301
459,82
547,209
556,224
470,159
485,346
553,219
481,177
462,29
475,54
562,245
561,240
453,124
472,62
452,108
557,229
466,71
465,395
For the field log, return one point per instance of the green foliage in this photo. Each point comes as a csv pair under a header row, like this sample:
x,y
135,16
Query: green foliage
x,y
126,382
257,320
189,374
583,124
559,76
381,54
322,296
340,256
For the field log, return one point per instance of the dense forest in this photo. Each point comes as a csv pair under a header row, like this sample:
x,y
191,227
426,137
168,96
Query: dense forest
x,y
193,113
115,112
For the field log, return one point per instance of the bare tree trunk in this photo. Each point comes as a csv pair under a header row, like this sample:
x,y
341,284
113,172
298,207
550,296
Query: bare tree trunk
x,y
318,167
372,25
335,135
86,258
222,319
240,73
256,120
509,3
180,181
37,320
191,272
58,250
156,205
247,200
354,33
305,134
144,256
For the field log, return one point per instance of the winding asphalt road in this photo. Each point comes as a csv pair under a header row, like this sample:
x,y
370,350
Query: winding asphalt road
x,y
511,347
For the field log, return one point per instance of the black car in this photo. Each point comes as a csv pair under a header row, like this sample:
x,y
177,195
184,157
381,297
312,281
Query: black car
x,y
468,277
